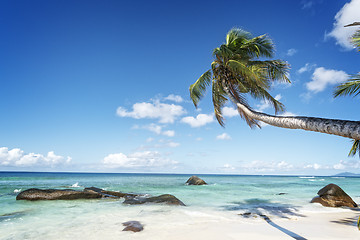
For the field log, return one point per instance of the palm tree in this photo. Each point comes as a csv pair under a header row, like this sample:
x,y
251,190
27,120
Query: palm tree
x,y
351,86
238,70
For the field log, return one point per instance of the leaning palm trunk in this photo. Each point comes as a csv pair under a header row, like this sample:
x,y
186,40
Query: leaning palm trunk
x,y
343,128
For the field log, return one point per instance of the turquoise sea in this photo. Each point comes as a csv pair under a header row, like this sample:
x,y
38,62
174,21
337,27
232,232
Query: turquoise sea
x,y
225,196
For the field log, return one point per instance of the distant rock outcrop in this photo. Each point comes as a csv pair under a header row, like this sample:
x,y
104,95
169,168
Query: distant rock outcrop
x,y
165,198
194,180
134,226
34,194
333,196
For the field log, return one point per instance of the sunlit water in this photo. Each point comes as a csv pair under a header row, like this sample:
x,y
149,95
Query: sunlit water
x,y
223,198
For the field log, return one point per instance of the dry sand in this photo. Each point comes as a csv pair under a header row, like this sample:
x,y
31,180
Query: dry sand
x,y
311,226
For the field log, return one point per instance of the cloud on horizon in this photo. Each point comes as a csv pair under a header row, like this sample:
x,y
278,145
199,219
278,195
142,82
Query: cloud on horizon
x,y
138,160
17,157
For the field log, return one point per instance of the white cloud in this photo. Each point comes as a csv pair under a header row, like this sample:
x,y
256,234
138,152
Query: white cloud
x,y
291,52
199,121
146,159
306,68
169,133
227,168
175,98
166,113
315,166
157,129
347,15
17,157
229,112
154,128
323,77
265,104
223,136
351,164
265,166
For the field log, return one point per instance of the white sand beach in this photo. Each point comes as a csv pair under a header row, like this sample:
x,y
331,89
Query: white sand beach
x,y
314,226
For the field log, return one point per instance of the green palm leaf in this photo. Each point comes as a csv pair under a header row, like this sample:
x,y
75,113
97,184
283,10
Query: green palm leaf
x,y
219,101
350,87
355,148
197,90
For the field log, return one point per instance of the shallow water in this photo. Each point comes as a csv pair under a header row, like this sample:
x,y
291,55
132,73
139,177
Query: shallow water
x,y
224,198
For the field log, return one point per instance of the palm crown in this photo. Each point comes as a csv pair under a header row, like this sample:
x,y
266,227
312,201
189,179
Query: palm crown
x,y
238,70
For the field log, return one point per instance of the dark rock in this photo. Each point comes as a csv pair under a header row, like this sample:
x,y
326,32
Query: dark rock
x,y
333,196
108,194
166,199
134,226
56,194
194,180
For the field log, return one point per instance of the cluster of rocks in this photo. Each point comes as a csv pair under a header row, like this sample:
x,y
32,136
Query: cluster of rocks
x,y
34,194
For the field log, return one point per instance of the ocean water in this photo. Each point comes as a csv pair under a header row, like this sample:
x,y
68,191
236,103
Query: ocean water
x,y
225,197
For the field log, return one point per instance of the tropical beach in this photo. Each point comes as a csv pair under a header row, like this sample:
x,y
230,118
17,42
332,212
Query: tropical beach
x,y
228,207
179,120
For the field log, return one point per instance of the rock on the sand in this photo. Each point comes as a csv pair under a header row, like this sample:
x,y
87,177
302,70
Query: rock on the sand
x,y
333,196
134,226
194,180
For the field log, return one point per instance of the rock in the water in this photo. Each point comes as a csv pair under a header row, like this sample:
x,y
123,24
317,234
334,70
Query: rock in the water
x,y
134,226
166,199
194,180
333,196
55,194
109,194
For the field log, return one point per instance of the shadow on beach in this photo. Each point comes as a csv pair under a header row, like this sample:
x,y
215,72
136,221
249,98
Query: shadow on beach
x,y
262,207
265,207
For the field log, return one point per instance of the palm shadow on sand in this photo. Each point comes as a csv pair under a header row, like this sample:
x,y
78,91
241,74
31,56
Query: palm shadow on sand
x,y
261,207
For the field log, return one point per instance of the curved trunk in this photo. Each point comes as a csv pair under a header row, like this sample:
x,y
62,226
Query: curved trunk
x,y
343,128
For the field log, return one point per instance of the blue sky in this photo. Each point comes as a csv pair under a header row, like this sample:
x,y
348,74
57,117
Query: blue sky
x,y
102,86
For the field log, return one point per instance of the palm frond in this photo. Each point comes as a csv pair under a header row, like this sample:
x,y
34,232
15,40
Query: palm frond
x,y
278,106
240,98
350,87
237,35
355,148
219,100
197,90
276,70
260,46
241,69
